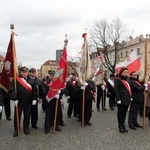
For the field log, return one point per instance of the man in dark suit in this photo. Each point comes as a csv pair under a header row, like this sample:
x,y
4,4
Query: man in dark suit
x,y
111,91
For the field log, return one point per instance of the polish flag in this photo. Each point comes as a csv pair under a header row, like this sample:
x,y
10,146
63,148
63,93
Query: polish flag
x,y
132,63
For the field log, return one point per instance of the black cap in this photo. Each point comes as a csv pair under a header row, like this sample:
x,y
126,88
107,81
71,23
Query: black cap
x,y
51,72
112,75
24,69
73,74
122,69
32,70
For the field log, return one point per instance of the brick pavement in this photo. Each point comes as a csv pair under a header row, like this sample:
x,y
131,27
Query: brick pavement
x,y
102,135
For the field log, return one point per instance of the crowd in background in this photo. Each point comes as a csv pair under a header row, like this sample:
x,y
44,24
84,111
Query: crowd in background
x,y
122,90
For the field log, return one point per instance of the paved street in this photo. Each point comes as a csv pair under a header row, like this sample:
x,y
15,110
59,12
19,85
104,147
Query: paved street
x,y
102,135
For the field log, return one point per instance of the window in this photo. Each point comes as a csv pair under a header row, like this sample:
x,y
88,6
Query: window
x,y
126,53
121,54
138,51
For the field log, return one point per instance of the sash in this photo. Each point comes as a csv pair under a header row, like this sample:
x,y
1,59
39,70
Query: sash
x,y
111,82
25,85
126,84
92,93
137,82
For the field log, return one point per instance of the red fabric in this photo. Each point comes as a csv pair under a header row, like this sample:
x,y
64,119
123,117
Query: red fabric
x,y
137,83
60,76
126,85
23,84
8,68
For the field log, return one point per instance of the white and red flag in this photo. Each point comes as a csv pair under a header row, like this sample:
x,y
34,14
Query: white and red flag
x,y
85,63
132,63
60,76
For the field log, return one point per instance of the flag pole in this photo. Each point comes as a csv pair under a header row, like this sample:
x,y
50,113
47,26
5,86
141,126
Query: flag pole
x,y
145,75
14,64
56,108
103,84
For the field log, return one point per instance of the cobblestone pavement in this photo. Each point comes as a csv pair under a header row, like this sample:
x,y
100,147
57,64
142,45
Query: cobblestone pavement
x,y
102,135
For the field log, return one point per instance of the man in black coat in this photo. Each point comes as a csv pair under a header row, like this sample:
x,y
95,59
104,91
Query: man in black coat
x,y
50,106
71,89
24,96
34,109
90,90
138,97
111,91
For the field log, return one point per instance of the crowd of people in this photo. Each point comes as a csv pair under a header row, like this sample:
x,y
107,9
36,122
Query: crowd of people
x,y
122,90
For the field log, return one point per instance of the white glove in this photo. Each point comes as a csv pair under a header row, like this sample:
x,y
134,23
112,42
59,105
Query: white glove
x,y
34,102
68,97
82,87
57,96
59,91
85,84
103,87
145,86
131,99
1,108
119,102
16,103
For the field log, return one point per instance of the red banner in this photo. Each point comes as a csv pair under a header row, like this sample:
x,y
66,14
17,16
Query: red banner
x,y
59,77
8,68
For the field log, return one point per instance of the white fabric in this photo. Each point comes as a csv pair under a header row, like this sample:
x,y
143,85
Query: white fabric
x,y
103,87
119,102
56,96
59,91
26,83
145,86
111,82
34,102
68,97
16,103
1,108
85,84
82,87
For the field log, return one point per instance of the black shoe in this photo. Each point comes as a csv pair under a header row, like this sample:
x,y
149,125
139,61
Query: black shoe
x,y
15,134
112,108
69,116
46,131
138,126
58,129
26,132
35,127
105,109
88,123
121,129
8,118
132,127
98,109
79,120
62,124
124,128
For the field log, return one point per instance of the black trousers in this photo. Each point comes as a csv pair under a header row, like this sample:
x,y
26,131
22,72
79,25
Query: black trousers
x,y
34,115
111,101
7,107
49,117
121,114
99,98
71,107
87,111
26,112
133,113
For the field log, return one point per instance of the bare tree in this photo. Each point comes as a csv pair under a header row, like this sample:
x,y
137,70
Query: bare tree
x,y
111,37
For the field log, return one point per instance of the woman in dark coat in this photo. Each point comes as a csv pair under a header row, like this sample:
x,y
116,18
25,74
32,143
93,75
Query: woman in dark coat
x,y
123,97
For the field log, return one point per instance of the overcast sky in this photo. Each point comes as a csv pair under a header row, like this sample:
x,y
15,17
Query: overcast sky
x,y
41,25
